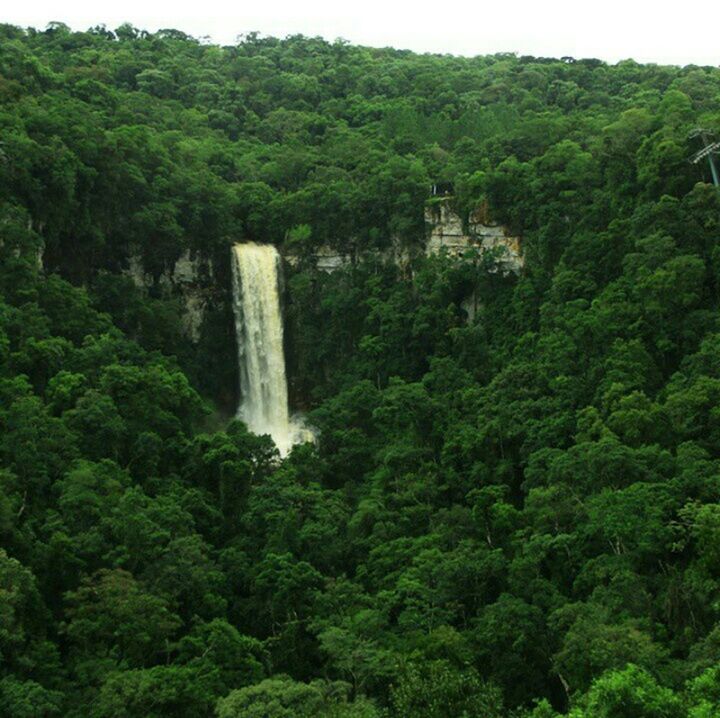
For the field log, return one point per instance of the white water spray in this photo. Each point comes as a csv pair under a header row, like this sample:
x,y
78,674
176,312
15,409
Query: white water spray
x,y
259,329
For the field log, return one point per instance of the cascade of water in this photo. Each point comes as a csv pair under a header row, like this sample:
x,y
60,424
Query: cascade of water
x,y
259,328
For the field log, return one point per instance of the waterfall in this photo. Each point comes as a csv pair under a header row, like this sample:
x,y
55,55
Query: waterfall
x,y
259,329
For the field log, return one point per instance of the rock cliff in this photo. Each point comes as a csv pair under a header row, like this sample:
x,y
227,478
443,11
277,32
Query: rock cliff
x,y
448,233
190,278
445,231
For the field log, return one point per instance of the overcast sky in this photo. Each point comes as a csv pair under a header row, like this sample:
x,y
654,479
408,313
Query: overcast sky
x,y
659,31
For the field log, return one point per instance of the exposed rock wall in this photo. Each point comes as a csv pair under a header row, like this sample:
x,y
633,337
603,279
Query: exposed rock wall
x,y
447,233
190,278
326,259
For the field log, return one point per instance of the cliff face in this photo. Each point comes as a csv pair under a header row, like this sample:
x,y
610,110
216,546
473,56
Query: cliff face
x,y
328,260
447,233
191,278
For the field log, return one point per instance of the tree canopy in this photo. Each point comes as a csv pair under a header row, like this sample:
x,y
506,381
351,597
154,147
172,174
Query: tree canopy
x,y
509,513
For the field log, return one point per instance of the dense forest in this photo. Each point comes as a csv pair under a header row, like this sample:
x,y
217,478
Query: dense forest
x,y
509,515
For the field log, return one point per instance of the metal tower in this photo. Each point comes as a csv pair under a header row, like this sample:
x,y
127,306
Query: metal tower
x,y
709,149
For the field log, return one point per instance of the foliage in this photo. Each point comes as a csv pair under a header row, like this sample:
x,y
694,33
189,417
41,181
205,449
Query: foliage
x,y
514,513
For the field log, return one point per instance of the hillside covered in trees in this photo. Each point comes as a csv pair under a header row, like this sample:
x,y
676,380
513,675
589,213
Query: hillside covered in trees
x,y
510,515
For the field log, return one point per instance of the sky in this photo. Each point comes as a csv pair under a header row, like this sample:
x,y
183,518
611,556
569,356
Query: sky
x,y
612,30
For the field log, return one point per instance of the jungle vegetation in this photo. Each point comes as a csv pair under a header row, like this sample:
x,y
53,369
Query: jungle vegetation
x,y
516,516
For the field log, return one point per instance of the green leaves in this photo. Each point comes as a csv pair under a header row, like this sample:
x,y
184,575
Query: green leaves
x,y
281,697
436,689
629,693
112,616
508,507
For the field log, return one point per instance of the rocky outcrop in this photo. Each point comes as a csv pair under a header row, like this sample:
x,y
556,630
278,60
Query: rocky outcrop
x,y
448,233
190,278
328,259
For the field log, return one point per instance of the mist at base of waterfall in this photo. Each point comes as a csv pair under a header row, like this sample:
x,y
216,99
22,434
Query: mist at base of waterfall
x,y
285,437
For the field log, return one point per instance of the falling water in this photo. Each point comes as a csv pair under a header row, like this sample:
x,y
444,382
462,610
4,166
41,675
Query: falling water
x,y
259,328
